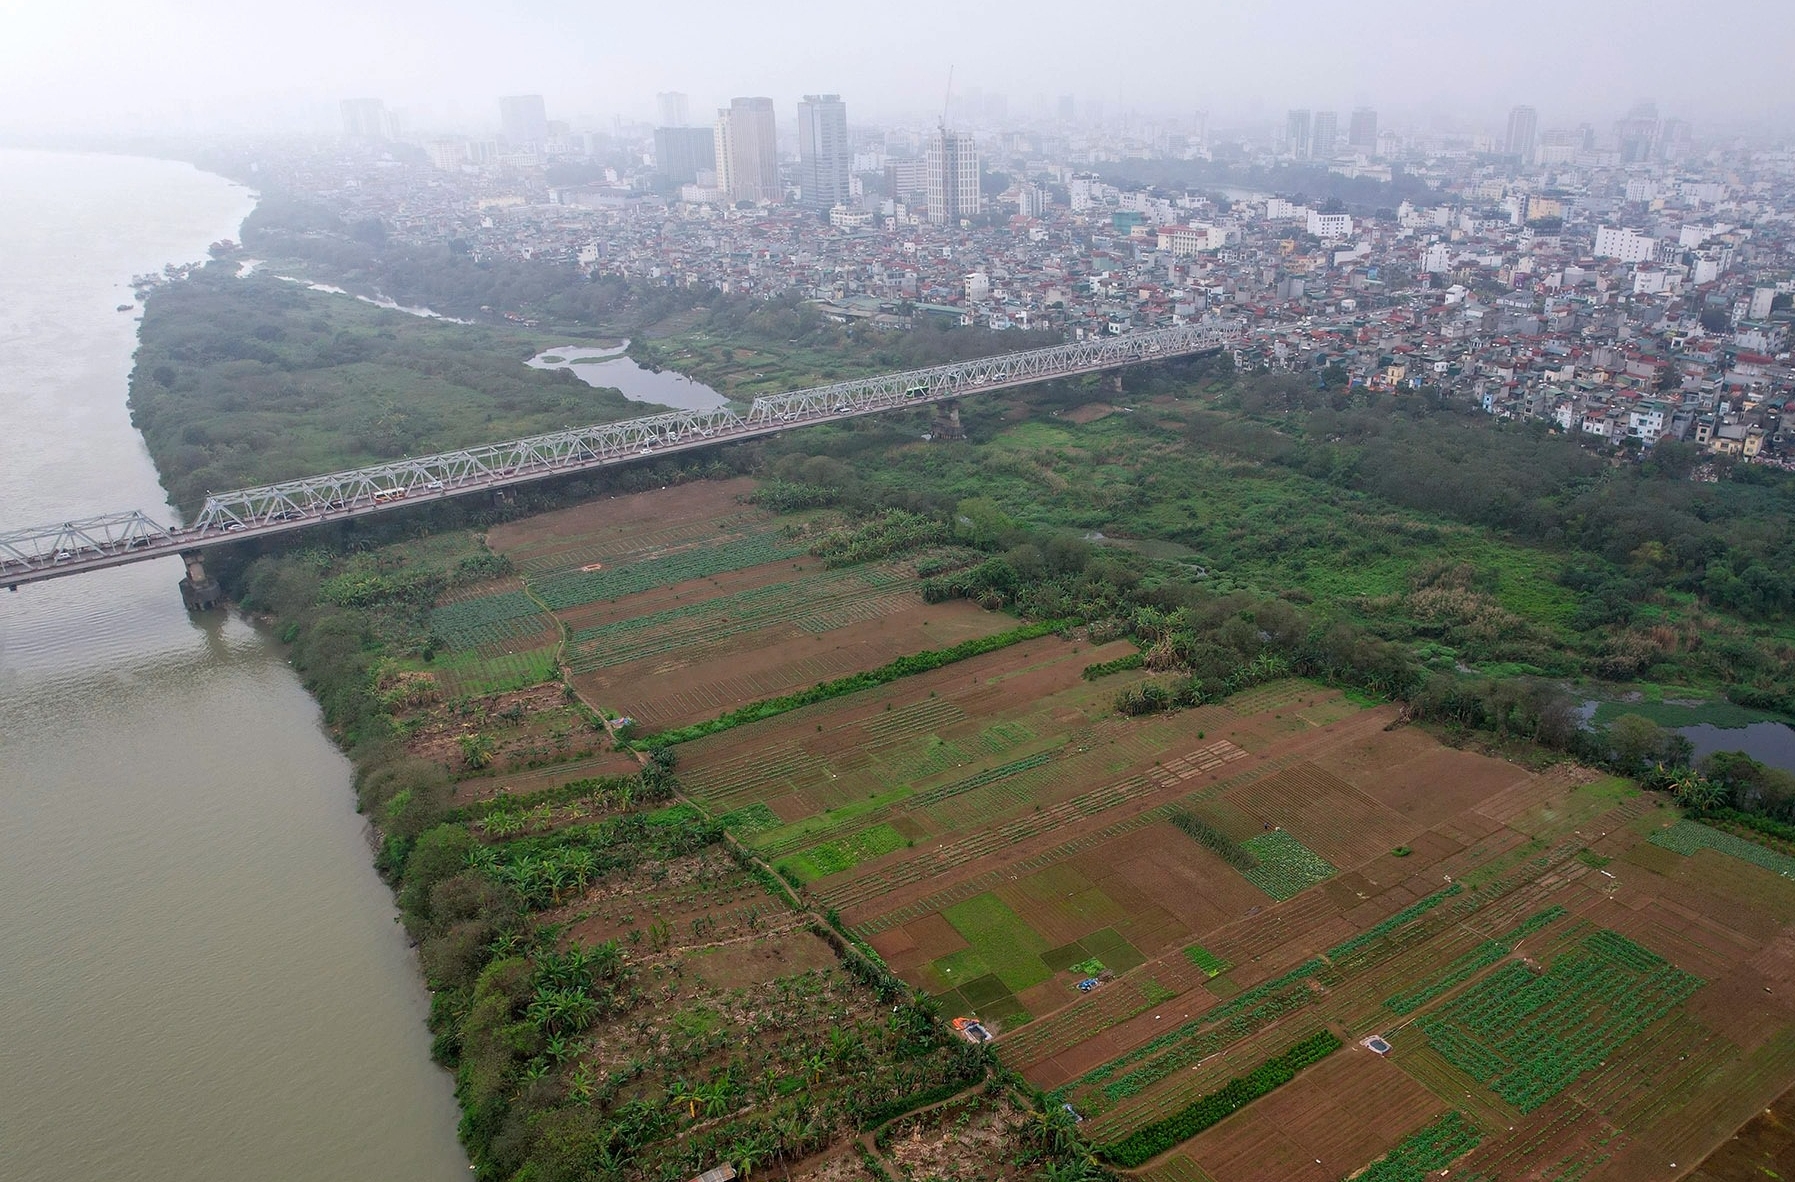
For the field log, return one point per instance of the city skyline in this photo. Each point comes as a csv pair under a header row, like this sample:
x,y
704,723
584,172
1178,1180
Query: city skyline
x,y
264,71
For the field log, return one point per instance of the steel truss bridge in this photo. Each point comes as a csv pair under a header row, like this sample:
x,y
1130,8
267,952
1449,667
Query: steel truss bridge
x,y
114,539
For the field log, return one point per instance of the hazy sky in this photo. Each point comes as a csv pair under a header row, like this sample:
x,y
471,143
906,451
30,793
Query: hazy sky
x,y
139,65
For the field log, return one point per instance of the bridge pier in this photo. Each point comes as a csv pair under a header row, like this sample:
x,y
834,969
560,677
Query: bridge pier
x,y
199,591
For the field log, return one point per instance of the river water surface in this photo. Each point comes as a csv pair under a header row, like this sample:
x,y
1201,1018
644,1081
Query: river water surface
x,y
200,975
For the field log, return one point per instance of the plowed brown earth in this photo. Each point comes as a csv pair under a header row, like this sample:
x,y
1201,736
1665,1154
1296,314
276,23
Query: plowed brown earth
x,y
693,684
623,524
1334,1118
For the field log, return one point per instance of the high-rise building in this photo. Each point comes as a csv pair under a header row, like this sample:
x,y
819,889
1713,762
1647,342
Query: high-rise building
x,y
908,181
1523,130
748,151
1324,135
1638,133
366,119
953,171
447,154
681,153
1068,109
671,105
825,158
1296,134
1361,133
523,120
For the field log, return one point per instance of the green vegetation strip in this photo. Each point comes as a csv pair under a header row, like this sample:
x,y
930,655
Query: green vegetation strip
x,y
833,857
1686,837
1426,1151
1526,1036
1206,960
1215,841
923,662
1346,950
1242,1015
1285,866
1469,965
1119,665
1148,1142
754,818
489,617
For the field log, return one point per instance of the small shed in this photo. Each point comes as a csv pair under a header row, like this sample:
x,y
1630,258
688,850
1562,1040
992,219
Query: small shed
x,y
722,1173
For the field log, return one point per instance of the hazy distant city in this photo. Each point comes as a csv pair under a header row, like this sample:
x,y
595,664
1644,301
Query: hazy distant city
x,y
1626,278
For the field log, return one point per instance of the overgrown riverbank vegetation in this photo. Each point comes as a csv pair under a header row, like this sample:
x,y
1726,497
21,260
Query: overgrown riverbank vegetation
x,y
711,787
240,381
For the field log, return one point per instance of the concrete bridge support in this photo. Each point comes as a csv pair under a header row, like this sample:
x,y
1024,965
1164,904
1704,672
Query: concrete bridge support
x,y
199,591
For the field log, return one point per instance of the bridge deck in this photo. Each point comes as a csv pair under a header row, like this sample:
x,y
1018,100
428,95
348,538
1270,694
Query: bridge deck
x,y
115,539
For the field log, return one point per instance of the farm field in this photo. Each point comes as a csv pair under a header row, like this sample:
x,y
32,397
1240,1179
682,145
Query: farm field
x,y
1189,927
683,604
1566,975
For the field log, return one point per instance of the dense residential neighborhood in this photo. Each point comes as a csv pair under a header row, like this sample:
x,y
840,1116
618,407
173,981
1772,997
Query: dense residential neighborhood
x,y
1624,287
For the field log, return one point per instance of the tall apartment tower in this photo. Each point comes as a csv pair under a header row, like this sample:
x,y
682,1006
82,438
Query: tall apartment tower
x,y
953,177
671,106
748,151
1324,135
1361,133
1523,130
825,159
523,119
1296,134
366,119
681,153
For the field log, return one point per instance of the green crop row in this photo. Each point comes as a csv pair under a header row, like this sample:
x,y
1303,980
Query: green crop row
x,y
1119,665
1237,1093
1427,1151
1472,963
1456,974
473,621
833,857
1687,837
1527,1036
1245,1015
905,666
1347,948
1215,841
750,819
1286,866
1241,1015
1206,960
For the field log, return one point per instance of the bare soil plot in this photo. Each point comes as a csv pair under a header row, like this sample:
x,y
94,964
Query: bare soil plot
x,y
1346,1112
620,525
1328,815
1429,786
841,747
1764,1148
693,675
